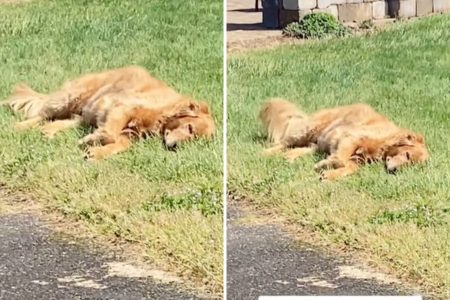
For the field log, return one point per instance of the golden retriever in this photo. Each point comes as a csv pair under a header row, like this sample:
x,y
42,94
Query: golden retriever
x,y
122,104
351,135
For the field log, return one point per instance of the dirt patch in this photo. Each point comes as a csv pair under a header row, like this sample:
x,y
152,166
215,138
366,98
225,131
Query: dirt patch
x,y
123,269
270,42
314,281
261,43
80,281
40,282
249,43
360,273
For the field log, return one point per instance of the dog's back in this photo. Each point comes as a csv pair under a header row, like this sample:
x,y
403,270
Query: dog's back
x,y
76,94
279,117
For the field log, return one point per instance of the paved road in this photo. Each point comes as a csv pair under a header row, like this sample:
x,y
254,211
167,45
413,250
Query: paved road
x,y
35,264
263,260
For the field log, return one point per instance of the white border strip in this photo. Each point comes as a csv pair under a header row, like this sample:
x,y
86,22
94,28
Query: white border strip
x,y
340,298
225,145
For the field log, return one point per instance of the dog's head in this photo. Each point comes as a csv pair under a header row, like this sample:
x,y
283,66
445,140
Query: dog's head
x,y
143,123
188,123
407,148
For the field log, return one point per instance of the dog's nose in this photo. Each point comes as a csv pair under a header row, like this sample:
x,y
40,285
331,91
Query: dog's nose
x,y
171,147
392,170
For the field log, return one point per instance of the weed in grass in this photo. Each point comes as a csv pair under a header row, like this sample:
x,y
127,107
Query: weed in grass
x,y
421,215
205,201
316,26
367,24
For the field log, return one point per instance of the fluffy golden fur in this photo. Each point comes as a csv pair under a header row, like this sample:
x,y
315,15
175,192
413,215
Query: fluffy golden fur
x,y
121,104
283,121
351,135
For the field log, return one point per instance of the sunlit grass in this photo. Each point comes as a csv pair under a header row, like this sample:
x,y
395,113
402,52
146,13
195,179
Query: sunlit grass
x,y
170,203
401,221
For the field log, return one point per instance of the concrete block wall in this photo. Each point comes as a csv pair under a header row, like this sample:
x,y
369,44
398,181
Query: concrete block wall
x,y
360,10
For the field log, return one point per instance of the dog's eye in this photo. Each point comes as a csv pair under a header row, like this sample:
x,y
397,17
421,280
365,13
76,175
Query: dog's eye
x,y
408,156
191,129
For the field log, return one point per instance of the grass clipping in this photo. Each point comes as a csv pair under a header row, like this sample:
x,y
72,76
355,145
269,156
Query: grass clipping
x,y
316,26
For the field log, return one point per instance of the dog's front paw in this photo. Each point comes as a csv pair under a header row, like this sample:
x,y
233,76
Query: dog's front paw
x,y
88,140
95,153
21,126
268,152
273,150
48,132
289,156
328,163
330,175
322,165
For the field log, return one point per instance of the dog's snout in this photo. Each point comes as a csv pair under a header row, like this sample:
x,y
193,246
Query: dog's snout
x,y
392,170
171,146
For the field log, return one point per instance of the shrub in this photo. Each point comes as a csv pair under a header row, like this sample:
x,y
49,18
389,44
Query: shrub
x,y
316,26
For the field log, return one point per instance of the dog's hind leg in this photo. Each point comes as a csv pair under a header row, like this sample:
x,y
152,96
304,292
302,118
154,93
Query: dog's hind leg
x,y
294,153
279,148
30,123
50,129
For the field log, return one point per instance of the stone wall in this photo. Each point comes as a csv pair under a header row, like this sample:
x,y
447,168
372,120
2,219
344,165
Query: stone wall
x,y
360,10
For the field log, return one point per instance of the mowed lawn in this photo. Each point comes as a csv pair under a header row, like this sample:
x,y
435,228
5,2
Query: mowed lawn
x,y
168,203
401,221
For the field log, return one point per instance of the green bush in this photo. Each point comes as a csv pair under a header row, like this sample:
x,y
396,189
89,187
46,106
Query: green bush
x,y
316,26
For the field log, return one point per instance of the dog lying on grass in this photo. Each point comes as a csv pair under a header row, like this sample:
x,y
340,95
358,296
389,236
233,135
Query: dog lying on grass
x,y
351,135
121,104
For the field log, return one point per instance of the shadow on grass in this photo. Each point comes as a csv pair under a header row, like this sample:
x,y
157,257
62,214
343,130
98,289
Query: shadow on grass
x,y
84,130
259,138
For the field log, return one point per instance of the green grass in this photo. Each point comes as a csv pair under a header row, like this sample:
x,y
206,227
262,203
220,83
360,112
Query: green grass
x,y
400,221
170,203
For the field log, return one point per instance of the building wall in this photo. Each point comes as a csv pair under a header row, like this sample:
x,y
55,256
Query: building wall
x,y
360,10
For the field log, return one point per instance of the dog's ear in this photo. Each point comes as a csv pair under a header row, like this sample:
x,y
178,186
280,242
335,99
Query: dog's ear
x,y
415,138
203,107
191,109
409,139
199,107
132,124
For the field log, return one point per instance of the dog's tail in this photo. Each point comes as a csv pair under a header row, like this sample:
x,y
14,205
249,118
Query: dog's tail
x,y
275,115
26,101
31,104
